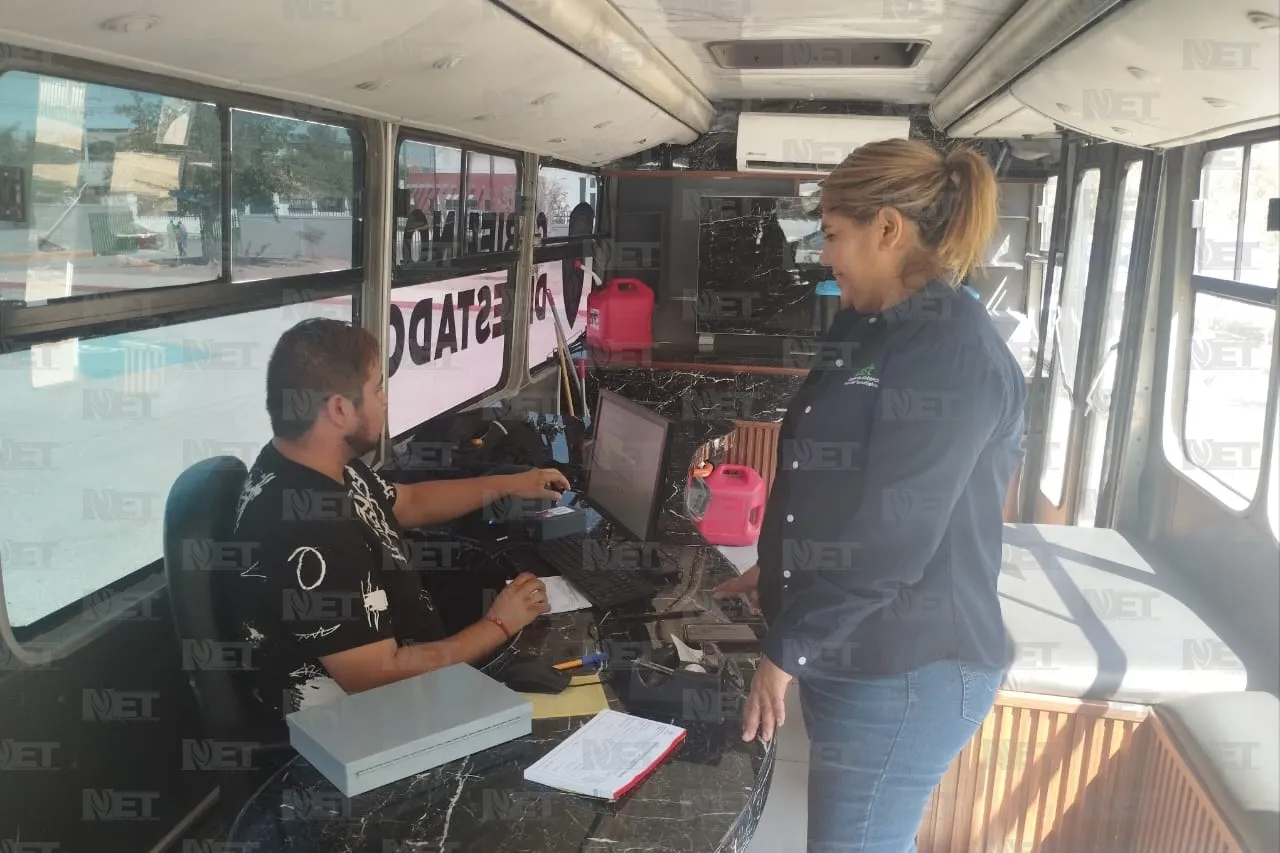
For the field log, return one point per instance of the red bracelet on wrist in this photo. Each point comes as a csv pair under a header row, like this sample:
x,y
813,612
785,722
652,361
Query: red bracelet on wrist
x,y
495,620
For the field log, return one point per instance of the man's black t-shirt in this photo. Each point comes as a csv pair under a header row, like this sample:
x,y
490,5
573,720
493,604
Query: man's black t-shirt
x,y
331,573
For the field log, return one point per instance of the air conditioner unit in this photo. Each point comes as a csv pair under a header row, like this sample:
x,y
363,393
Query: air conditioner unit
x,y
770,142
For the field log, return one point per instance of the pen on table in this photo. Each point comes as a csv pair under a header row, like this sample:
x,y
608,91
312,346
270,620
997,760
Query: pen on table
x,y
585,660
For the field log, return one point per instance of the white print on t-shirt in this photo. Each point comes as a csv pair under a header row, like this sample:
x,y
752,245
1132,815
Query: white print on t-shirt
x,y
298,557
371,514
253,487
387,489
375,601
318,633
312,686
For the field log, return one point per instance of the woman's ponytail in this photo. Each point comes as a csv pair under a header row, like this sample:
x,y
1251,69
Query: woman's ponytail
x,y
974,211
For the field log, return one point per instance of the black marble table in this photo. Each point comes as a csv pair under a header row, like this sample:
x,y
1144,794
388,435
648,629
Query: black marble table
x,y
707,796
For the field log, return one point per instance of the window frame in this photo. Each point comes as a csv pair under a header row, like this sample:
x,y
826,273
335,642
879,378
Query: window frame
x,y
426,272
552,243
23,325
93,315
1237,291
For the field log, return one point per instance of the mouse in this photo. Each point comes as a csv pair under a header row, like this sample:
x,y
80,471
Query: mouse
x,y
533,676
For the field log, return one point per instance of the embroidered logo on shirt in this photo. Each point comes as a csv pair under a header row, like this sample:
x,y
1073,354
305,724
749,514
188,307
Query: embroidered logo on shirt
x,y
865,377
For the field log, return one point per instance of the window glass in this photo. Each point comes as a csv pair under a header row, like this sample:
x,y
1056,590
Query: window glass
x,y
94,432
560,193
1227,387
1260,248
120,189
1273,500
492,185
428,181
1045,224
292,196
447,346
1069,321
1099,396
566,205
1220,192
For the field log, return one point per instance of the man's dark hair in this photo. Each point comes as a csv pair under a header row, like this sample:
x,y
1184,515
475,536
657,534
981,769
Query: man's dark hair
x,y
313,361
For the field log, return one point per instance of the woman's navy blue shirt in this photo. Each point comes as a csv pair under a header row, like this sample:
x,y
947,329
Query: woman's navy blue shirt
x,y
881,542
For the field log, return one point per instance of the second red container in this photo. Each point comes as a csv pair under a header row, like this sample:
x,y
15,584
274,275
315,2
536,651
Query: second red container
x,y
735,508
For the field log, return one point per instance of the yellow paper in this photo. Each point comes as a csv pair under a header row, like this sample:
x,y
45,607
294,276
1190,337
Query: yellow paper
x,y
576,700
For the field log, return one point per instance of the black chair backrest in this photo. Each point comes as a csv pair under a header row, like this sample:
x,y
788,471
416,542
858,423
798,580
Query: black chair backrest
x,y
199,515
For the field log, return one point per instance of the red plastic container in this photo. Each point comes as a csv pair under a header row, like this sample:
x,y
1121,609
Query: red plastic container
x,y
620,316
735,510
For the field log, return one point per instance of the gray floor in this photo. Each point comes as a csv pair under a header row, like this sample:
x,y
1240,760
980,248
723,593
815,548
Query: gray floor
x,y
782,826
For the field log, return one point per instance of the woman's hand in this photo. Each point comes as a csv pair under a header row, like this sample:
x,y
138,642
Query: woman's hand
x,y
745,583
538,484
766,703
524,599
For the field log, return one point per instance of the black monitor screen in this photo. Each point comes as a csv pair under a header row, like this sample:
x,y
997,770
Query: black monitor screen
x,y
626,464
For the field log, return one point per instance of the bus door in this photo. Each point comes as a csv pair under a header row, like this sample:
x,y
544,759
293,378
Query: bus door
x,y
1091,332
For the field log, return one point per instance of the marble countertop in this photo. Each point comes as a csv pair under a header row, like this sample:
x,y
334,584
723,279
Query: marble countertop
x,y
708,796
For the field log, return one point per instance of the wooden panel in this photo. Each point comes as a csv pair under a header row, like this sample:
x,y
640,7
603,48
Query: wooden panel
x,y
1050,775
1175,813
755,444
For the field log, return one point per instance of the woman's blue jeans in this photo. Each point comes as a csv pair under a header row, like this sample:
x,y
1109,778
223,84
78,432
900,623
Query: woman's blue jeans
x,y
879,746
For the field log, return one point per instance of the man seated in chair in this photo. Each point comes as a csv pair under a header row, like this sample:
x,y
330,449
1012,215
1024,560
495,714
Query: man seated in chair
x,y
331,604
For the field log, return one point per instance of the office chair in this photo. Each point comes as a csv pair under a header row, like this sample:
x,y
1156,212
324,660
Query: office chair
x,y
199,514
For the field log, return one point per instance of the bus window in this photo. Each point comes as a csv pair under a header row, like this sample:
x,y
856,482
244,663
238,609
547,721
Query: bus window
x,y
95,431
1260,248
1220,223
292,195
1098,397
1227,386
567,214
560,192
125,188
1232,320
1070,313
492,185
428,181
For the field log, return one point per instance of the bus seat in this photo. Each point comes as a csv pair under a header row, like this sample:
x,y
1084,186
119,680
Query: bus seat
x,y
1091,614
1232,741
199,512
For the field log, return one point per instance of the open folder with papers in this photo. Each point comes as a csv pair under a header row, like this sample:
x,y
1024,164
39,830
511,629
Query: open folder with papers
x,y
608,756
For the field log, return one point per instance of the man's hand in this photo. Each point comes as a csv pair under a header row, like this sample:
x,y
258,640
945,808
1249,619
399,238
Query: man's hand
x,y
538,484
523,600
766,703
747,582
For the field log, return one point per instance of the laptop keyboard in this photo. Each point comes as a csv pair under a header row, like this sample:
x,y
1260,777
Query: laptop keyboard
x,y
571,557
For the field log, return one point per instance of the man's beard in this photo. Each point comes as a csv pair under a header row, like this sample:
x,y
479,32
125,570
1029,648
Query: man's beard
x,y
360,442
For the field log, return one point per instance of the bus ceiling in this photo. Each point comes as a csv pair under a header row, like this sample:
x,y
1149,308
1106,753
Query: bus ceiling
x,y
593,82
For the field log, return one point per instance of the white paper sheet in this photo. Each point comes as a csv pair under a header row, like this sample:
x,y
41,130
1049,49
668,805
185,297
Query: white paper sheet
x,y
563,596
604,755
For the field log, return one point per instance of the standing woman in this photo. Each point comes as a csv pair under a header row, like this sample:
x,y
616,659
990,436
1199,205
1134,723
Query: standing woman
x,y
881,543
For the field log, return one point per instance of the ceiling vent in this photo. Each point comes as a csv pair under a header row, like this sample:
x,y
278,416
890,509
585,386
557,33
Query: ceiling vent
x,y
814,54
